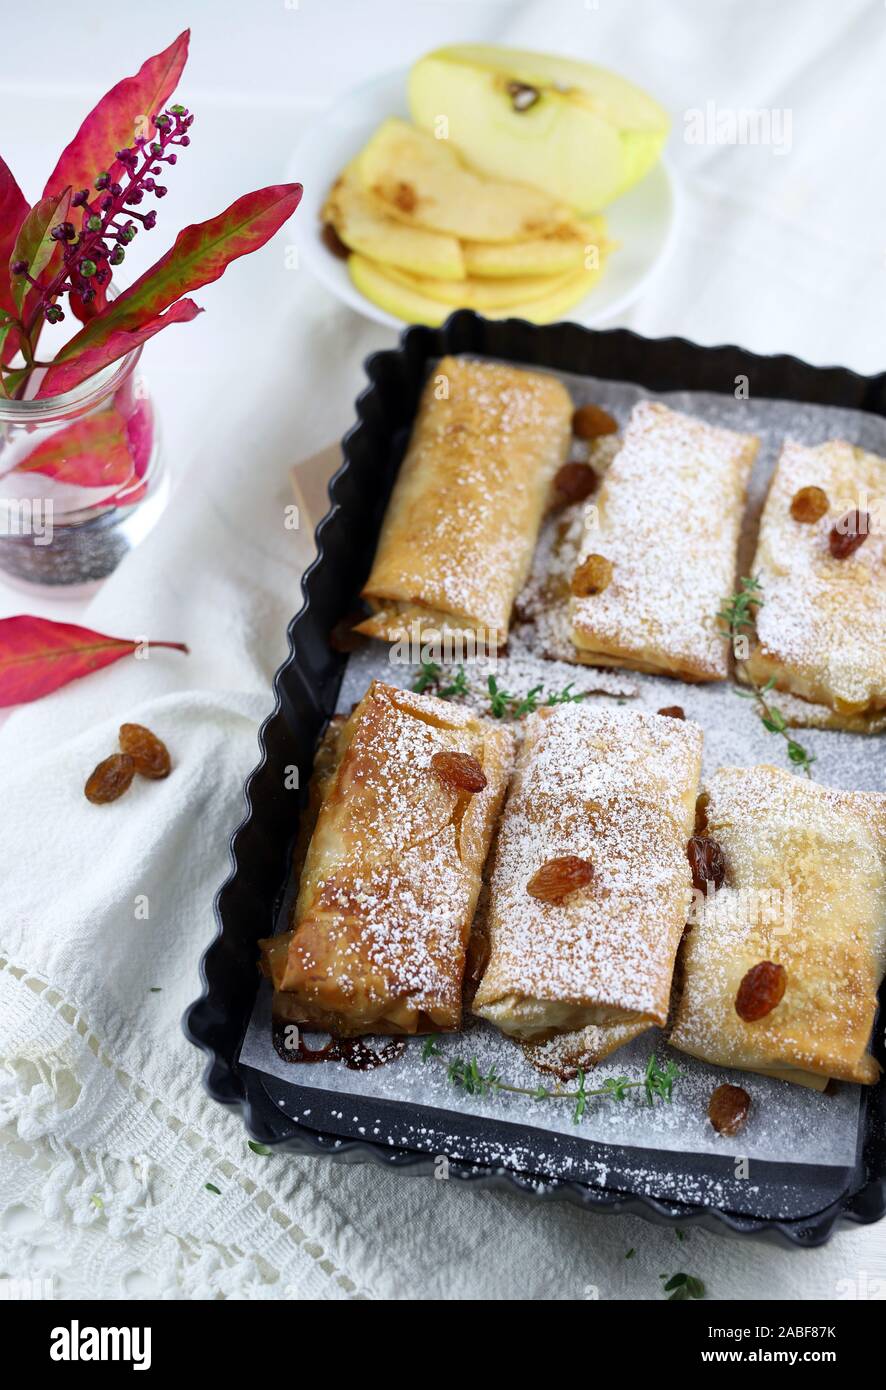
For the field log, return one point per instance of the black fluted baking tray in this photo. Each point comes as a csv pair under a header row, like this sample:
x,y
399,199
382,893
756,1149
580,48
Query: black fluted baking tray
x,y
796,1204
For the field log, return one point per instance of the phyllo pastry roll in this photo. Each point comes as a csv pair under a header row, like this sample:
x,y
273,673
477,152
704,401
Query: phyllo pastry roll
x,y
821,564
408,798
658,555
461,525
779,971
590,883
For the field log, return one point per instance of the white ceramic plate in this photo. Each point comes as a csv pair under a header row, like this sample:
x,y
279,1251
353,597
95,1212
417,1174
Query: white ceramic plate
x,y
642,222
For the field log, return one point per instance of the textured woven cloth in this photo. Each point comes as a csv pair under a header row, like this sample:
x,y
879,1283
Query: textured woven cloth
x,y
106,1139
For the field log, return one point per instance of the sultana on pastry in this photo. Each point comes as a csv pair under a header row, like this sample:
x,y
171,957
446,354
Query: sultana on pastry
x,y
408,791
780,968
821,629
590,883
464,515
658,554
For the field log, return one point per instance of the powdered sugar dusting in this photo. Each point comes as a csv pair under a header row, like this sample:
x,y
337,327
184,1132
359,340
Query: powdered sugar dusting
x,y
393,870
461,523
787,1123
616,789
822,627
805,888
668,517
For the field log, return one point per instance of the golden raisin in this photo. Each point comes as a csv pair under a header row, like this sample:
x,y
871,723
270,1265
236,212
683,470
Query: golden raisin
x,y
459,770
673,711
707,862
728,1108
148,752
851,531
575,481
557,878
809,505
110,779
762,987
592,576
590,421
333,242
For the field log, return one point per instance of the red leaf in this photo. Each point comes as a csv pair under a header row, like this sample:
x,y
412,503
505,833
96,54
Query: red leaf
x,y
91,453
64,375
112,123
140,436
200,254
34,243
13,211
38,656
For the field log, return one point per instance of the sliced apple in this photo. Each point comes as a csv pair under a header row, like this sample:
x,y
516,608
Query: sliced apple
x,y
482,294
423,182
363,226
404,302
562,251
579,132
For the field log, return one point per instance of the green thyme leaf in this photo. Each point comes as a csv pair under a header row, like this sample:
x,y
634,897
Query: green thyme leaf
x,y
738,613
428,675
459,686
499,700
566,695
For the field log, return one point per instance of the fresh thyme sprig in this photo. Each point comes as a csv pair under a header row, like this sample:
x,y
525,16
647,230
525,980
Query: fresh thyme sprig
x,y
458,686
738,615
502,703
428,675
465,1075
499,700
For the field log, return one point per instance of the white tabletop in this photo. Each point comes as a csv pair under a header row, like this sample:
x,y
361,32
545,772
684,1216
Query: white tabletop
x,y
778,250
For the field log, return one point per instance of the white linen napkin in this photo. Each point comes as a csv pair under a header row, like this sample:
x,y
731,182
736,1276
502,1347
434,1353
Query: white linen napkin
x,y
109,1141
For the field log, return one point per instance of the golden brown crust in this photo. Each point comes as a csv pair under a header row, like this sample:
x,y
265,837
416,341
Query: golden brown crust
x,y
392,872
667,516
464,515
822,627
615,789
805,889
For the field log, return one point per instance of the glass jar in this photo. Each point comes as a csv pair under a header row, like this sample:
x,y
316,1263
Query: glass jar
x,y
81,480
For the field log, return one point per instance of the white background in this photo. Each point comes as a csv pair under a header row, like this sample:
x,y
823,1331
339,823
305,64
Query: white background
x,y
776,252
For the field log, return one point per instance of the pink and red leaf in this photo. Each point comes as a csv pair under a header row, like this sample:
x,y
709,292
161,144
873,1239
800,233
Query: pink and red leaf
x,y
201,253
93,452
38,656
68,371
13,211
111,125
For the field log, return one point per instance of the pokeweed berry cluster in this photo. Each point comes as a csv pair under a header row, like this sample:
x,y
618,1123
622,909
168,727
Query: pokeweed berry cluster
x,y
108,219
